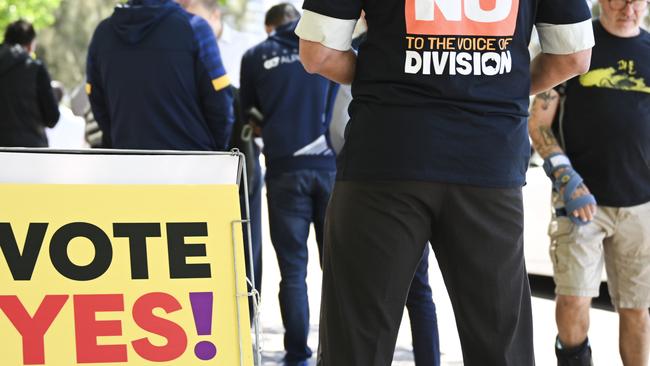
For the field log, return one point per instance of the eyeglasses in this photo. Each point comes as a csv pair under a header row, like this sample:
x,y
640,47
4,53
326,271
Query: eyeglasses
x,y
621,4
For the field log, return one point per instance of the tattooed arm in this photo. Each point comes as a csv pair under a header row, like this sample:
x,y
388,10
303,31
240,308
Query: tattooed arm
x,y
545,106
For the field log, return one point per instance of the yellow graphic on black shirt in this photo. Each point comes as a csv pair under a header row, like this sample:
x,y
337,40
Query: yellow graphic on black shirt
x,y
621,78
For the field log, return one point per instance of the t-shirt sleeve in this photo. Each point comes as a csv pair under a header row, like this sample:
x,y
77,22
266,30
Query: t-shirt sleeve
x,y
329,22
564,26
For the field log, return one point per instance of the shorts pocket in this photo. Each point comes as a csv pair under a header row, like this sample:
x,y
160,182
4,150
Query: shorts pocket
x,y
562,233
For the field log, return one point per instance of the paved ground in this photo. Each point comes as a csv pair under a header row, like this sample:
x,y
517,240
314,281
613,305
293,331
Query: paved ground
x,y
604,324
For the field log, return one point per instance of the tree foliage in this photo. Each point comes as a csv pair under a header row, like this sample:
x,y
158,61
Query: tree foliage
x,y
64,45
38,12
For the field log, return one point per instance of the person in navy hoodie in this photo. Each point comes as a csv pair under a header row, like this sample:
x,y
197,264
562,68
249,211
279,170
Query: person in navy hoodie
x,y
156,80
300,164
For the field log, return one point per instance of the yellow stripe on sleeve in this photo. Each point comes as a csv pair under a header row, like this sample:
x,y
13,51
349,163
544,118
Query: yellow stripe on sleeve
x,y
220,82
89,88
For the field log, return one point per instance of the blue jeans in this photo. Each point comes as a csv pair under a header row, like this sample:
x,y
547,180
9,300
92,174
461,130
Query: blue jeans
x,y
422,313
295,200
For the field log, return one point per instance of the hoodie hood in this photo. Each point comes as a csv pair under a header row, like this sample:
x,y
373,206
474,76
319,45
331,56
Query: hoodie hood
x,y
10,56
134,20
286,34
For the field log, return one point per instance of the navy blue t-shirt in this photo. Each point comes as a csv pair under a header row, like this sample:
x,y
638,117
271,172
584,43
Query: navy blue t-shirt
x,y
296,105
606,124
441,89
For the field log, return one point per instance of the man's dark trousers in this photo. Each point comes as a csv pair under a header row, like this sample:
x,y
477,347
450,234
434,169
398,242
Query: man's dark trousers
x,y
375,235
295,200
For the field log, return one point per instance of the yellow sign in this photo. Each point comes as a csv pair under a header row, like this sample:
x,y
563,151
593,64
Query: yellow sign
x,y
121,275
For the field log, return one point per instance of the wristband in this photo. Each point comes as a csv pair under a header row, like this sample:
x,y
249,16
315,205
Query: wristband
x,y
554,162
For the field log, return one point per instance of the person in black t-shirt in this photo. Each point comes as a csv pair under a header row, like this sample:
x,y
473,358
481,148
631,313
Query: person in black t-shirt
x,y
436,150
602,122
419,302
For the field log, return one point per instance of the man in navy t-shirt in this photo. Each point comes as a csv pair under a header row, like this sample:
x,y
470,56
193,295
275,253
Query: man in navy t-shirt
x,y
602,122
436,149
300,164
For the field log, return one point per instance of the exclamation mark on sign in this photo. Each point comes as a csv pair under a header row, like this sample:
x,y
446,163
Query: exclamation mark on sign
x,y
202,311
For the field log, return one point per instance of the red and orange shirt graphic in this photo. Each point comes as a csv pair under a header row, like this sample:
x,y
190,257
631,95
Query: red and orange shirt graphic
x,y
459,38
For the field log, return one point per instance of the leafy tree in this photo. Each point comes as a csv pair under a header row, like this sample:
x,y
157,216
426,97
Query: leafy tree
x,y
38,12
64,45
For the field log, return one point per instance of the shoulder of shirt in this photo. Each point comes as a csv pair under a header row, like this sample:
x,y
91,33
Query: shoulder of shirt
x,y
102,29
104,23
196,22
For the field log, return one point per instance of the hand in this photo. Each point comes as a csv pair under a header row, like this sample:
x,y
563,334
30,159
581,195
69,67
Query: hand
x,y
585,213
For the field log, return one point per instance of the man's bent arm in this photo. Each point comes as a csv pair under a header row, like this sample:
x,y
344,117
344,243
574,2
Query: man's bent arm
x,y
325,44
338,66
548,70
542,114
